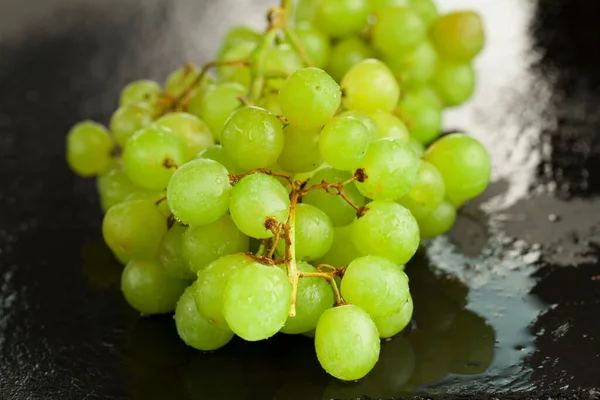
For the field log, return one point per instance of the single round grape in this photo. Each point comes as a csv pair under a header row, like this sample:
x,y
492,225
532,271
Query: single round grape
x,y
211,286
181,80
416,67
193,132
314,233
472,341
134,229
314,297
426,9
390,126
253,138
157,197
388,230
458,36
417,147
344,142
391,167
270,101
375,284
216,153
237,73
170,256
256,301
128,119
337,209
454,83
392,324
236,36
438,222
218,104
306,10
427,194
300,150
347,354
89,149
341,18
142,91
422,116
398,29
193,328
342,250
315,43
199,192
203,244
282,60
365,119
148,289
464,164
309,98
370,86
113,188
347,53
255,198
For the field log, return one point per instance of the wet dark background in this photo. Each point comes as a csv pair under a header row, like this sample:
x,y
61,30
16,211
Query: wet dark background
x,y
527,310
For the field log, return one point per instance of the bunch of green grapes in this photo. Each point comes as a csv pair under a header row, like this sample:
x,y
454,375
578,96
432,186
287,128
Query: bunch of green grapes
x,y
309,141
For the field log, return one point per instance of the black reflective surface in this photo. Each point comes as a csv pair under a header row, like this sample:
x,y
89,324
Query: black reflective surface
x,y
507,303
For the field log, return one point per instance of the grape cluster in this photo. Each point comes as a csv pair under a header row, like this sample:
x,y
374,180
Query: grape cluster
x,y
284,186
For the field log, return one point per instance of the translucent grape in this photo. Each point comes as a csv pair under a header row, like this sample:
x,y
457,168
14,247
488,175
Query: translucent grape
x,y
255,198
422,116
342,251
217,154
237,73
199,192
211,286
375,284
193,132
343,142
438,222
391,325
464,164
89,149
340,18
365,119
315,43
157,197
427,194
388,230
306,10
398,29
416,67
134,229
300,150
390,126
149,157
142,91
128,119
256,301
193,328
204,244
219,103
337,209
170,256
458,36
313,298
148,289
391,167
370,86
347,354
270,101
417,147
309,98
236,36
454,83
347,53
113,187
253,138
426,9
195,101
314,233
280,60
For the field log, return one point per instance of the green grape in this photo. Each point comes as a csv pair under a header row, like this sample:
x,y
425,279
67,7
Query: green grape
x,y
341,18
398,30
300,150
211,285
390,126
315,43
458,36
237,73
337,209
314,233
416,67
182,79
255,198
236,36
426,9
217,154
148,289
391,167
199,192
392,324
203,244
128,119
370,86
365,119
347,354
193,132
347,53
438,222
342,250
378,4
314,297
375,284
193,328
427,194
253,138
218,104
157,197
89,149
170,256
417,147
306,10
309,98
195,102
149,156
142,91
281,60
134,229
270,101
388,230
422,116
256,301
464,164
454,83
472,342
113,187
344,142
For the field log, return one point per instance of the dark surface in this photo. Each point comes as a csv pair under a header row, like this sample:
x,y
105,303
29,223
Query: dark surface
x,y
527,251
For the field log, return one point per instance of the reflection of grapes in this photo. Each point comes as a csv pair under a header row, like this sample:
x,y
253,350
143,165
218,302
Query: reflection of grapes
x,y
207,377
434,357
473,341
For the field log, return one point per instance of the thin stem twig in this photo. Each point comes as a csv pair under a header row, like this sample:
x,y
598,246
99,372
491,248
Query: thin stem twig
x,y
233,179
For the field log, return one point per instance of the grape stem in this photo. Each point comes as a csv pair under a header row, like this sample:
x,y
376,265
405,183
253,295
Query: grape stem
x,y
339,186
330,276
163,198
233,179
169,163
277,233
290,249
170,221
